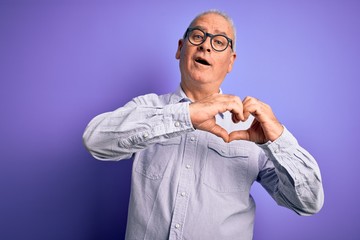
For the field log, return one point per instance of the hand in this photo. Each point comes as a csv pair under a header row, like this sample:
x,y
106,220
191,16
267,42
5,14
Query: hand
x,y
265,126
203,112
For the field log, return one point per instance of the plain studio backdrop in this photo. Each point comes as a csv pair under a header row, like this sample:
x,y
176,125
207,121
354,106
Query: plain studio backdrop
x,y
63,62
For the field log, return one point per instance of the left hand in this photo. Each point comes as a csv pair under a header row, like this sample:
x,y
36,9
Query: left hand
x,y
265,126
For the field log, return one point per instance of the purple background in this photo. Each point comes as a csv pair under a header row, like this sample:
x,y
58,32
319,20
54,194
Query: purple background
x,y
63,62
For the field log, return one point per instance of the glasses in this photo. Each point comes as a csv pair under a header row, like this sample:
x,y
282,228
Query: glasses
x,y
197,36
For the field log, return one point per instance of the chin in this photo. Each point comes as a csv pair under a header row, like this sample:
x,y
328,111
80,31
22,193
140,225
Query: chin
x,y
202,79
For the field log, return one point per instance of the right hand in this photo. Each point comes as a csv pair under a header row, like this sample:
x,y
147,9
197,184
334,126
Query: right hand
x,y
203,112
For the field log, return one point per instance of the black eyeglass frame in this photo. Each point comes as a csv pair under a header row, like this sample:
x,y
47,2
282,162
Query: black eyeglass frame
x,y
206,34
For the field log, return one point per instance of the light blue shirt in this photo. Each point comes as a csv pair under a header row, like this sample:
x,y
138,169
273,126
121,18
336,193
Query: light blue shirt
x,y
189,184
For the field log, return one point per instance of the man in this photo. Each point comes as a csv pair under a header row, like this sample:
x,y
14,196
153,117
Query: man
x,y
193,167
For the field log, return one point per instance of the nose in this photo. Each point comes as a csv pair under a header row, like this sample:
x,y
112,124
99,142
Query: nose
x,y
201,48
205,46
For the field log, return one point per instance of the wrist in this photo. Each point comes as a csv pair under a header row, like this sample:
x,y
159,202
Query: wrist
x,y
276,131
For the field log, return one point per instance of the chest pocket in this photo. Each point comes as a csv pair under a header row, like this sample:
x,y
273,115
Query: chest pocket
x,y
152,162
226,168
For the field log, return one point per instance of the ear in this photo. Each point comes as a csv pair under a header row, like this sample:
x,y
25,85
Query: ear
x,y
232,60
180,45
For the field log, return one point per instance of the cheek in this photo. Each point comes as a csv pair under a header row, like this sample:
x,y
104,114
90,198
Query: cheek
x,y
186,58
227,64
188,53
223,65
185,61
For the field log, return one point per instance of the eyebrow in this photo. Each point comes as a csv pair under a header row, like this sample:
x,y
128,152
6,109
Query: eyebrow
x,y
216,31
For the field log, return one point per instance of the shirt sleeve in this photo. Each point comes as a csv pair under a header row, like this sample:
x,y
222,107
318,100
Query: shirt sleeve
x,y
291,175
117,135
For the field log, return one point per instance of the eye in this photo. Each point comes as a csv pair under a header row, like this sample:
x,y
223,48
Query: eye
x,y
218,42
197,37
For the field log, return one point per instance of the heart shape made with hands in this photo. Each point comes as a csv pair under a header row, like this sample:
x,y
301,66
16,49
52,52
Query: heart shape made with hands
x,y
263,124
242,131
256,132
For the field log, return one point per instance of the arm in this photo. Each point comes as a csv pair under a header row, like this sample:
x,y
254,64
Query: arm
x,y
141,122
291,175
287,171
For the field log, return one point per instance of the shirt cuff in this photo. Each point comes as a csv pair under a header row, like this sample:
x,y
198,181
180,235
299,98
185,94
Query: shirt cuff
x,y
281,145
177,118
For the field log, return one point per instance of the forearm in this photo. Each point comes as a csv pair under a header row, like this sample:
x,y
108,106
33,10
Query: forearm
x,y
117,135
295,180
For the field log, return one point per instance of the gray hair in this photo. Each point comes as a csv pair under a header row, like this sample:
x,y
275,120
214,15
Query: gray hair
x,y
222,14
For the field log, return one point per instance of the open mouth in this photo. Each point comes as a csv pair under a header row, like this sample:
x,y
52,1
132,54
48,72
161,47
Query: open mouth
x,y
202,61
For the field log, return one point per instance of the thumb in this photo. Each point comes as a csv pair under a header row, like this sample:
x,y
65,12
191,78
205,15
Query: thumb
x,y
239,135
220,132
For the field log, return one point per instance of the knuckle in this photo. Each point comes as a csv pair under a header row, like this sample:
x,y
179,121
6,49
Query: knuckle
x,y
237,99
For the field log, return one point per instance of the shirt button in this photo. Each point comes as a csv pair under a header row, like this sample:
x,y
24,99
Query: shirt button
x,y
145,135
177,124
277,151
177,226
188,166
183,194
192,138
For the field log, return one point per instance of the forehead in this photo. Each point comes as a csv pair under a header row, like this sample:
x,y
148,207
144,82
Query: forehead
x,y
213,23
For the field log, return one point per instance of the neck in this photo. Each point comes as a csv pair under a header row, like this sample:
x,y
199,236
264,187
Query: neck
x,y
198,92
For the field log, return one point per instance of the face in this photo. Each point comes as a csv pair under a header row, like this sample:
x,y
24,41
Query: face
x,y
202,64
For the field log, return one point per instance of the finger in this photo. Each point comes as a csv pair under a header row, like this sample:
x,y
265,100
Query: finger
x,y
251,99
251,106
240,115
246,103
220,103
220,132
239,135
235,106
236,117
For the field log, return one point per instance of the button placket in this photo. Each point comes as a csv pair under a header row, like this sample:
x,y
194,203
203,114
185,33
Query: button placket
x,y
182,199
277,149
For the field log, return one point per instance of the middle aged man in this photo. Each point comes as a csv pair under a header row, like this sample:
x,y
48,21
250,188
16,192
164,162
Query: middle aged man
x,y
193,167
